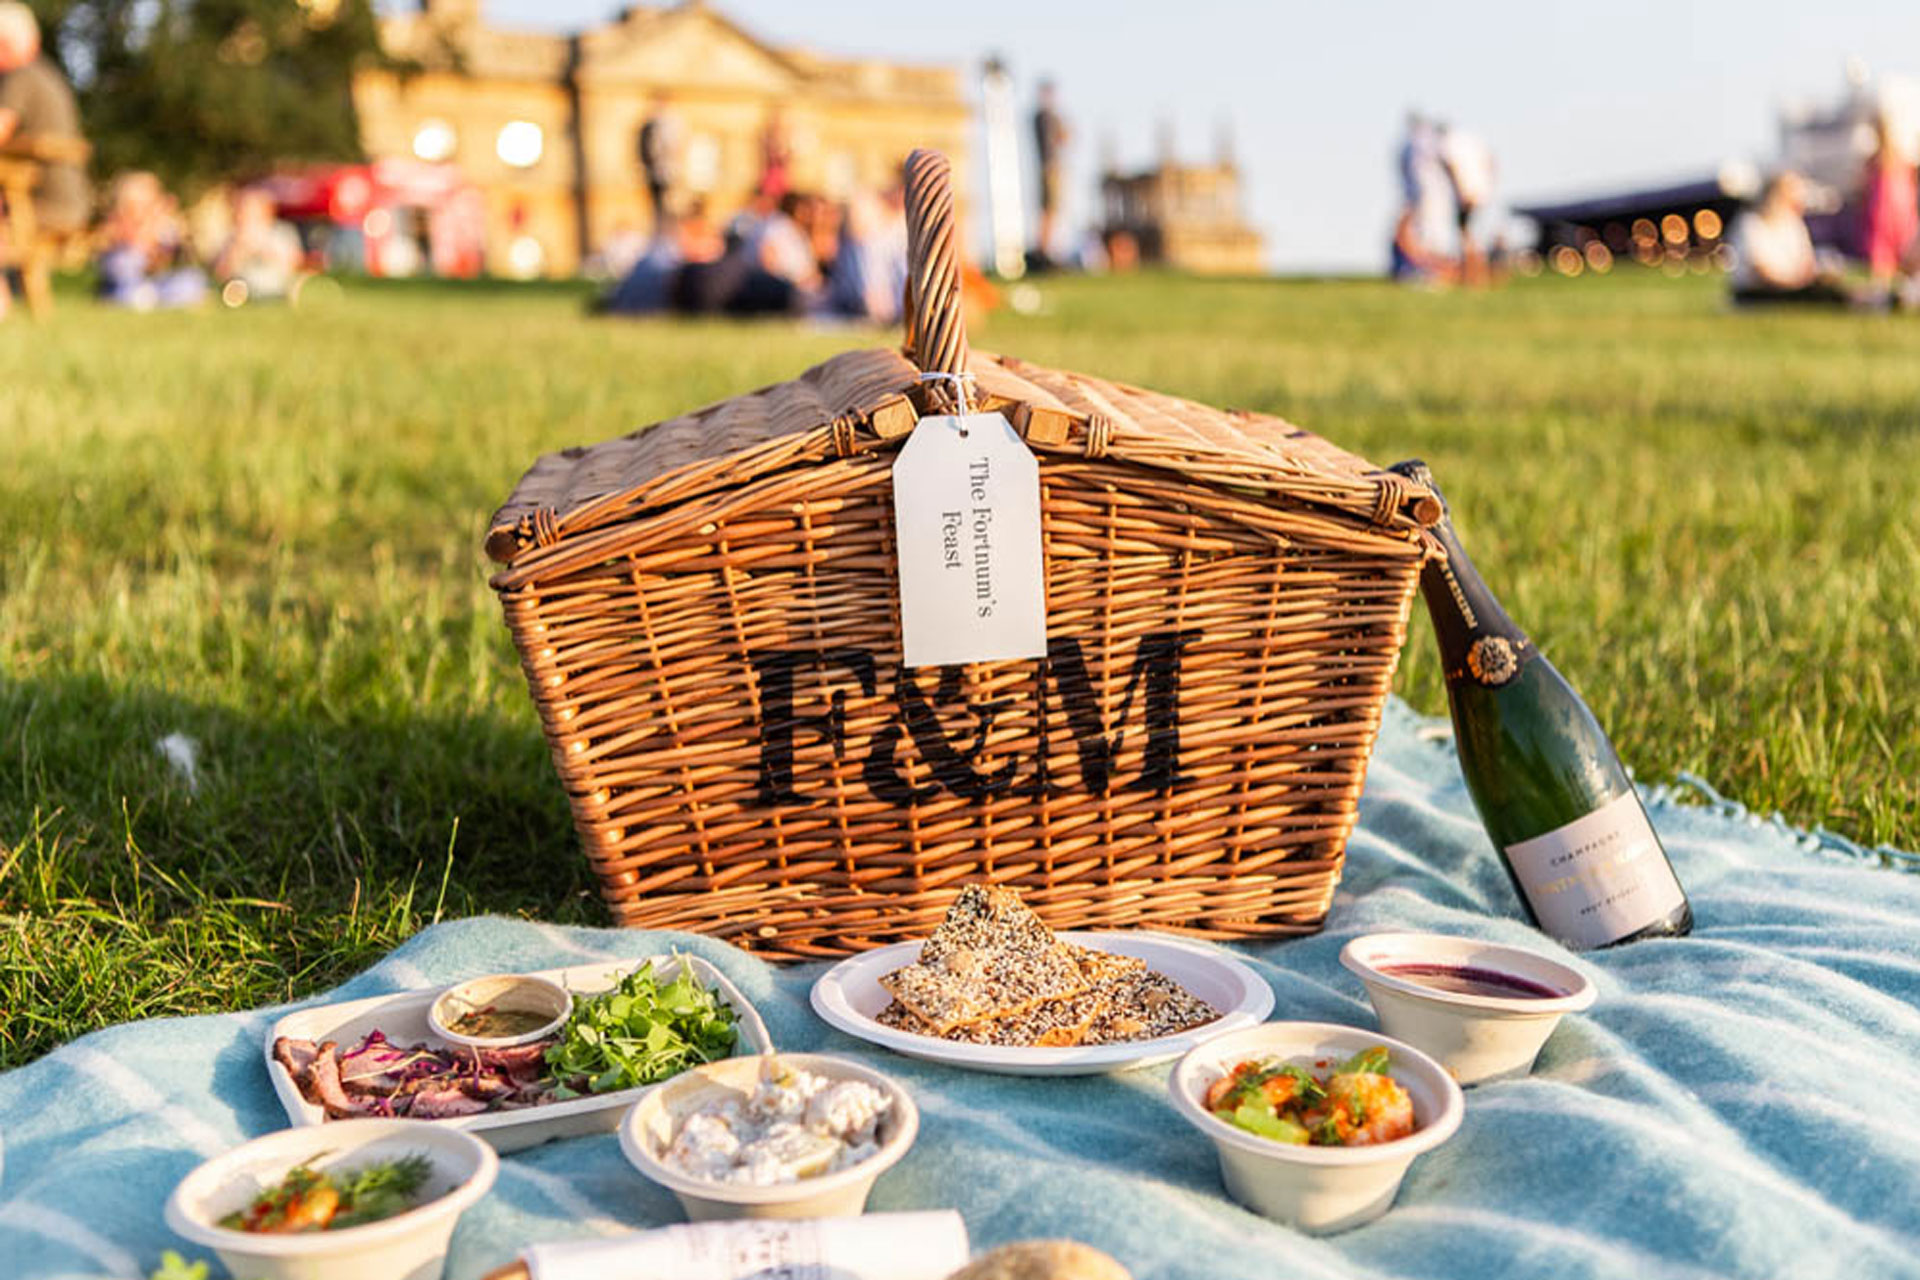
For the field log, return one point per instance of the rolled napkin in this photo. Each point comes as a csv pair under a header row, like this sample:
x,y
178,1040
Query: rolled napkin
x,y
875,1246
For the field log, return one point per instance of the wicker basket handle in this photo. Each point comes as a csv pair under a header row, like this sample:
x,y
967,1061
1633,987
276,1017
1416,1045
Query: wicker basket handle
x,y
936,329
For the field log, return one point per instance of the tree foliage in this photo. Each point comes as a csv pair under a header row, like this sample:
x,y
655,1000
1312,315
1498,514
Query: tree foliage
x,y
206,91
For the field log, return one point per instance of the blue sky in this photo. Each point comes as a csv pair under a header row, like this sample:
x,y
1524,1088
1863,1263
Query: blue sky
x,y
1571,96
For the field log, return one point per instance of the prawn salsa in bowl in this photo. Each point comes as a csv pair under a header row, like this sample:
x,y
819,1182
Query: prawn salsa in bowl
x,y
1315,1124
347,1201
1354,1103
309,1199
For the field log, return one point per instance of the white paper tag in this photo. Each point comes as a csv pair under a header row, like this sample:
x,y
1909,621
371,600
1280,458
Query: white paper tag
x,y
966,521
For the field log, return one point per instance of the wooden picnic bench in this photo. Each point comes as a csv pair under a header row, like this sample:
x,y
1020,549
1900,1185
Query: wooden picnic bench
x,y
31,249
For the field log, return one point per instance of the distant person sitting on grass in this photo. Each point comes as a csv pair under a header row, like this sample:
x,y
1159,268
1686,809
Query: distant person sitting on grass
x,y
39,118
700,240
769,267
263,257
869,276
684,251
789,272
1774,257
142,262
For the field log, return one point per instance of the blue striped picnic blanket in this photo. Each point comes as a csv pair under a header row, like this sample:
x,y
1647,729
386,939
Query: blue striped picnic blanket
x,y
1745,1102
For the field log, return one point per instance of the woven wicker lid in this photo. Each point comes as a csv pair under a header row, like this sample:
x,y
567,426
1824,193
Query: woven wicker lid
x,y
868,400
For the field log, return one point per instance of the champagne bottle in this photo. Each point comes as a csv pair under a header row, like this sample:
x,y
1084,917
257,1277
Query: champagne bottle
x,y
1551,792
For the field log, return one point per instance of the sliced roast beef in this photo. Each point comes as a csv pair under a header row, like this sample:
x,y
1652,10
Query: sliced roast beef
x,y
377,1066
378,1085
487,1086
295,1055
444,1103
327,1090
378,1077
532,1095
521,1059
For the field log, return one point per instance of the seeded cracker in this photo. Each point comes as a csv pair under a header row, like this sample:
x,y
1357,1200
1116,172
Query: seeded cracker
x,y
1145,1007
982,919
970,985
1107,966
993,974
1052,1024
896,1016
1100,968
990,958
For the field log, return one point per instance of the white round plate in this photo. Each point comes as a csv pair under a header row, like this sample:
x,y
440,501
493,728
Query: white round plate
x,y
849,997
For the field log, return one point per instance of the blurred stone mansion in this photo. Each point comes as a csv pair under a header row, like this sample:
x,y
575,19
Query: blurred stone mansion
x,y
1184,215
546,127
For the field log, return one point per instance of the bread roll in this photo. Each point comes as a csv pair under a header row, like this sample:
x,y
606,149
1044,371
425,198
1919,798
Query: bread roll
x,y
1043,1260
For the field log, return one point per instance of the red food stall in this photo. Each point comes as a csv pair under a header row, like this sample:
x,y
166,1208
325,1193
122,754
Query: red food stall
x,y
388,218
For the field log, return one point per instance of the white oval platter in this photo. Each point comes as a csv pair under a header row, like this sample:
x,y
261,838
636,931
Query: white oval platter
x,y
849,997
402,1018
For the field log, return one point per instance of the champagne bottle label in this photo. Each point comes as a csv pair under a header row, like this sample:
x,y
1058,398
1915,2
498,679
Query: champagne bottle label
x,y
1599,878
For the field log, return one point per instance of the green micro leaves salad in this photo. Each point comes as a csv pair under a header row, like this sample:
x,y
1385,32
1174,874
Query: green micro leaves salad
x,y
308,1200
175,1267
639,1033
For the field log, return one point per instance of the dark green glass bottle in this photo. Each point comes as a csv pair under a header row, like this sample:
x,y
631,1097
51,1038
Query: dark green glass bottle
x,y
1551,792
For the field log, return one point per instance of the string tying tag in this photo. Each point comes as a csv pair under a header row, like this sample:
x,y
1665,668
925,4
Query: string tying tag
x,y
956,385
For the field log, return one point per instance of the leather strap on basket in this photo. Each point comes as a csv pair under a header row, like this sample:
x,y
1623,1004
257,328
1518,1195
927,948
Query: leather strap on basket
x,y
936,329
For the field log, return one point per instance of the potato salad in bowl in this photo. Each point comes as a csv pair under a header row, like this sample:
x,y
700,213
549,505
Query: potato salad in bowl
x,y
795,1124
779,1135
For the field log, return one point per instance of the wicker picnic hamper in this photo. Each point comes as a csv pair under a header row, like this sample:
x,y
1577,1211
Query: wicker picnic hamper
x,y
707,612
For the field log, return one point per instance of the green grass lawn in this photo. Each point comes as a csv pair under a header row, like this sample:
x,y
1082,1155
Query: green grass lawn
x,y
262,530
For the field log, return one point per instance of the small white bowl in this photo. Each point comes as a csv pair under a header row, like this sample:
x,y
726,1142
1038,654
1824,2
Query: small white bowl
x,y
509,992
1476,1037
408,1246
650,1127
1318,1190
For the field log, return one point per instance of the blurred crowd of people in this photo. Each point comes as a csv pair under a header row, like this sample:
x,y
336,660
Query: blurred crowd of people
x,y
796,252
789,252
149,255
145,251
1447,182
1774,256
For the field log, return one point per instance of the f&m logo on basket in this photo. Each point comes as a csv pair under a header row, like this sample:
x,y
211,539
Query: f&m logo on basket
x,y
1063,691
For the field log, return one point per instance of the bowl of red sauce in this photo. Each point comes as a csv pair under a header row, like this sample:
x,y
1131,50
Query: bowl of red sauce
x,y
1482,1009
